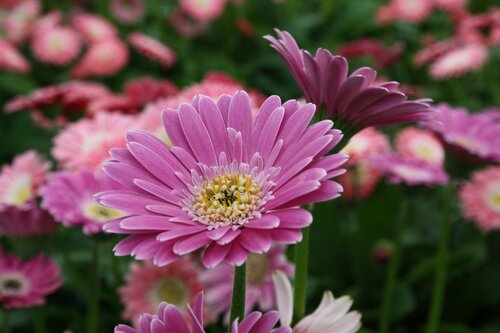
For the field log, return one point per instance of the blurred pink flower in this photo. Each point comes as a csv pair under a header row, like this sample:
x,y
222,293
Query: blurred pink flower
x,y
146,89
185,25
359,181
94,28
28,221
11,59
480,198
47,21
112,103
420,144
152,49
18,23
411,10
203,10
434,50
364,144
127,11
383,56
24,284
459,61
57,45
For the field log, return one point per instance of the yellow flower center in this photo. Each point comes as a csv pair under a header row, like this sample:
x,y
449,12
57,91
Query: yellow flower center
x,y
257,267
465,142
100,213
171,291
493,197
19,191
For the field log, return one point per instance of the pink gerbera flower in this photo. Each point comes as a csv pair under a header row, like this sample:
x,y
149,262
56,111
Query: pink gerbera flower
x,y
450,5
18,23
411,10
112,103
85,143
48,21
148,285
351,101
11,59
68,196
103,58
170,319
457,62
203,10
94,28
228,185
28,221
24,284
58,45
127,11
359,181
185,25
480,198
146,89
420,144
365,144
19,182
260,289
152,48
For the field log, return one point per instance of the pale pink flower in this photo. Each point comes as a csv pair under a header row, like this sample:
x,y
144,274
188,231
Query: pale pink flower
x,y
435,50
203,10
185,25
366,143
459,61
94,28
27,221
127,11
48,21
146,89
18,23
112,103
411,10
360,180
57,45
420,144
152,49
11,59
450,5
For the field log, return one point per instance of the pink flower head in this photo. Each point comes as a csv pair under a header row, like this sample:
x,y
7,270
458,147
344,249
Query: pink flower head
x,y
359,181
127,11
48,21
410,171
25,222
170,319
365,144
152,49
86,143
103,58
260,288
383,56
94,28
19,182
480,198
203,10
450,5
420,144
68,196
228,185
411,10
435,50
457,62
185,25
11,59
58,45
350,100
332,315
18,23
474,135
148,285
146,89
24,284
112,103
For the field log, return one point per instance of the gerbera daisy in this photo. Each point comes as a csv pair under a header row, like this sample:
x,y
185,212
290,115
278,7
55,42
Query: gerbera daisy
x,y
203,10
68,196
18,23
359,181
228,185
185,25
24,284
152,49
94,28
112,103
19,182
457,62
480,198
170,319
450,5
435,50
411,10
259,289
331,315
366,143
127,11
48,21
57,45
146,89
28,221
351,101
420,144
148,285
86,143
11,59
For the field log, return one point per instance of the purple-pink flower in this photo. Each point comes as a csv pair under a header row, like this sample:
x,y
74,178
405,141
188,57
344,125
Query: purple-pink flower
x,y
229,185
26,221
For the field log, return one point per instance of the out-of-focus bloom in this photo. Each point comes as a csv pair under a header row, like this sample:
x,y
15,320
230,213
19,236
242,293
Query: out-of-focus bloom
x,y
480,28
11,59
170,319
420,144
19,182
103,58
450,5
148,285
480,198
127,11
434,50
365,144
94,28
350,101
383,56
48,21
244,27
24,284
25,222
203,10
459,61
260,288
68,196
185,25
222,187
409,171
152,49
58,45
18,23
146,89
331,315
410,10
86,143
383,252
112,103
359,181
474,135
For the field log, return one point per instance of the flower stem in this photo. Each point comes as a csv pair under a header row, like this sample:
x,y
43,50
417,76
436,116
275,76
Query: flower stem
x,y
6,325
239,291
93,304
301,268
441,265
392,272
39,320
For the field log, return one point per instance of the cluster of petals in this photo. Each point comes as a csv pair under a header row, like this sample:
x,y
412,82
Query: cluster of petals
x,y
11,59
457,62
185,25
480,198
351,100
68,196
18,22
383,56
153,49
203,10
420,144
56,45
404,10
28,221
180,194
128,11
169,319
24,284
93,28
146,89
483,28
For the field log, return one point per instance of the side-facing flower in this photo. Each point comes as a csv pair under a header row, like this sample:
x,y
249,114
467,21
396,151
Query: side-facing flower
x,y
25,222
152,49
203,11
127,11
93,28
457,62
11,59
331,315
228,185
420,144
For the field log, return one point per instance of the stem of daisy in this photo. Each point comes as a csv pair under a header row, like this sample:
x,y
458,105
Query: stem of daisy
x,y
6,325
239,293
93,304
39,320
301,268
441,264
392,272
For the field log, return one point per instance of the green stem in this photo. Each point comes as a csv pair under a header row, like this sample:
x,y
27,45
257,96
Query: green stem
x,y
441,264
301,268
392,272
239,291
93,304
40,320
6,325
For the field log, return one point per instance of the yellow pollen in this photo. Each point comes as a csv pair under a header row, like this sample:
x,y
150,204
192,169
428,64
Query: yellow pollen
x,y
23,195
100,213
